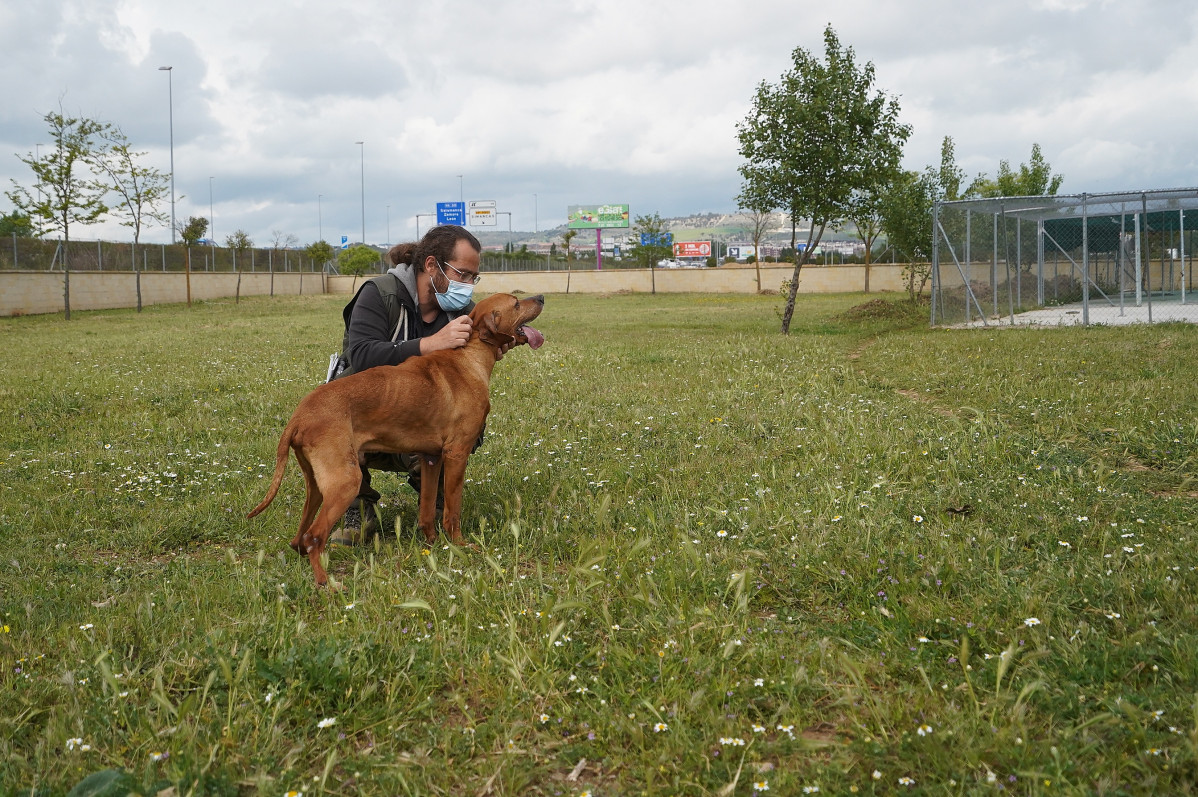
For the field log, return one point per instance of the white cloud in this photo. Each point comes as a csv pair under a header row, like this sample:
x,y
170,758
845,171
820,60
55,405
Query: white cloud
x,y
575,101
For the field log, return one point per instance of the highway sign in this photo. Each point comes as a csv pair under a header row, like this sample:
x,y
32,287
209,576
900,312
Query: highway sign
x,y
481,213
657,239
451,213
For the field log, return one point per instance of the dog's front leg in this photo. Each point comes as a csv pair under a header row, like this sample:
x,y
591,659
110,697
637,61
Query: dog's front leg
x,y
430,479
455,476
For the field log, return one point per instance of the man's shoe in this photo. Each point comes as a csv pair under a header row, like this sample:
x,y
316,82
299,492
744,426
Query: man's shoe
x,y
358,525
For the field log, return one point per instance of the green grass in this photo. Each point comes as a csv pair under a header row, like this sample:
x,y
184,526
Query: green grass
x,y
710,556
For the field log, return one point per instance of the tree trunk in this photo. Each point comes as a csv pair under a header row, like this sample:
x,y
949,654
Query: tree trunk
x,y
757,259
812,241
136,274
867,254
794,290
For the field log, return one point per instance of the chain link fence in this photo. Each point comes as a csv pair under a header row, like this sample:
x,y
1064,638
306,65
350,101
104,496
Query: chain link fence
x,y
38,254
1110,258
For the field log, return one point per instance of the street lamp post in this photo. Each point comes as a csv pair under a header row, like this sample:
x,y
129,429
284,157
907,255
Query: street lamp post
x,y
535,213
319,220
362,145
461,190
170,86
418,215
211,216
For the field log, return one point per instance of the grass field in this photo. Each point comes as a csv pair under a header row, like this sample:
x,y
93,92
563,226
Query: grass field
x,y
866,558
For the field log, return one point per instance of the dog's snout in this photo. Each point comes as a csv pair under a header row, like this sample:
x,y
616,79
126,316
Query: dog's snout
x,y
539,299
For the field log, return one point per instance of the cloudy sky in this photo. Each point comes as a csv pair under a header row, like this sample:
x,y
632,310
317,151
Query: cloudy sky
x,y
539,104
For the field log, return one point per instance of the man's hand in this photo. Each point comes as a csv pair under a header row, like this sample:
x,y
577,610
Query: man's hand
x,y
452,336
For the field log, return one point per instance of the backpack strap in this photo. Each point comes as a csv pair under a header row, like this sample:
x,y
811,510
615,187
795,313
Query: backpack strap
x,y
402,326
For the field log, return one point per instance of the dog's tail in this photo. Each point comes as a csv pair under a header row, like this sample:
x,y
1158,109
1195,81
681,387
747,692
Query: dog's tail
x,y
281,456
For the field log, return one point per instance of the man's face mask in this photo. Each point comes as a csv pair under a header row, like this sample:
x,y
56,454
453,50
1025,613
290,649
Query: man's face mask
x,y
457,294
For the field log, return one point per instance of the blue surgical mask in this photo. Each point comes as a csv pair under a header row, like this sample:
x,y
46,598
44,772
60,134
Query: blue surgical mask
x,y
457,294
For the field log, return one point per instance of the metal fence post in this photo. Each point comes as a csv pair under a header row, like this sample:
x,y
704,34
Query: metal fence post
x,y
994,264
1181,242
1147,255
1085,263
936,287
968,263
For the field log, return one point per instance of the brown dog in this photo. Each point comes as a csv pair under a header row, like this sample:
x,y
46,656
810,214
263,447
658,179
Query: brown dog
x,y
434,405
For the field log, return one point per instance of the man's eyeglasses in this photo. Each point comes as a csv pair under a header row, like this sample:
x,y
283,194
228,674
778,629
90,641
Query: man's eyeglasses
x,y
464,276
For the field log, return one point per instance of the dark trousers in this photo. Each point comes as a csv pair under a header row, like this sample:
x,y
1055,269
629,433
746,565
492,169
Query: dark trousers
x,y
395,463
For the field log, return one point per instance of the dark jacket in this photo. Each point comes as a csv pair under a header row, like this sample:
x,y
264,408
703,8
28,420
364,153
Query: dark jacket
x,y
383,325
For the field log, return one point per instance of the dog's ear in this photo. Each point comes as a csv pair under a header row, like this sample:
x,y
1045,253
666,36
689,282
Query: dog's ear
x,y
490,333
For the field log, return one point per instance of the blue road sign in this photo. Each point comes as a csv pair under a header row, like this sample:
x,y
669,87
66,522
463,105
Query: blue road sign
x,y
345,242
451,213
655,239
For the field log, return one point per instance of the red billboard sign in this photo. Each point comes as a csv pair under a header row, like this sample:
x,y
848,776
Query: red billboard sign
x,y
692,249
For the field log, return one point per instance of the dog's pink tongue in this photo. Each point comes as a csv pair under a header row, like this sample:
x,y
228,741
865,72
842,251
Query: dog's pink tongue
x,y
535,339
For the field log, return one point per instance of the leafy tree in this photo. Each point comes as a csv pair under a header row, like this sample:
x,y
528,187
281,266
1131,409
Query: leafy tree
x,y
658,233
1034,178
866,214
358,260
660,242
18,224
816,141
907,206
141,188
192,230
949,177
239,242
66,191
906,212
319,252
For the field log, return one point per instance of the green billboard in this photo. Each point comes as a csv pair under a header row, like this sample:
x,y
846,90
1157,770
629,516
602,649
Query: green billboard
x,y
590,217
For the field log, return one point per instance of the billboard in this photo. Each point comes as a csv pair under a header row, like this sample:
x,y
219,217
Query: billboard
x,y
692,249
657,239
590,217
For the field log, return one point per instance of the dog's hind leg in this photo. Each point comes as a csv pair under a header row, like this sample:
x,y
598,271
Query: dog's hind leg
x,y
339,484
430,480
312,501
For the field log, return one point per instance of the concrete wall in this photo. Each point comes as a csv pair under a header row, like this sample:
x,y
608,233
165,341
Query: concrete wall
x,y
814,279
34,292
